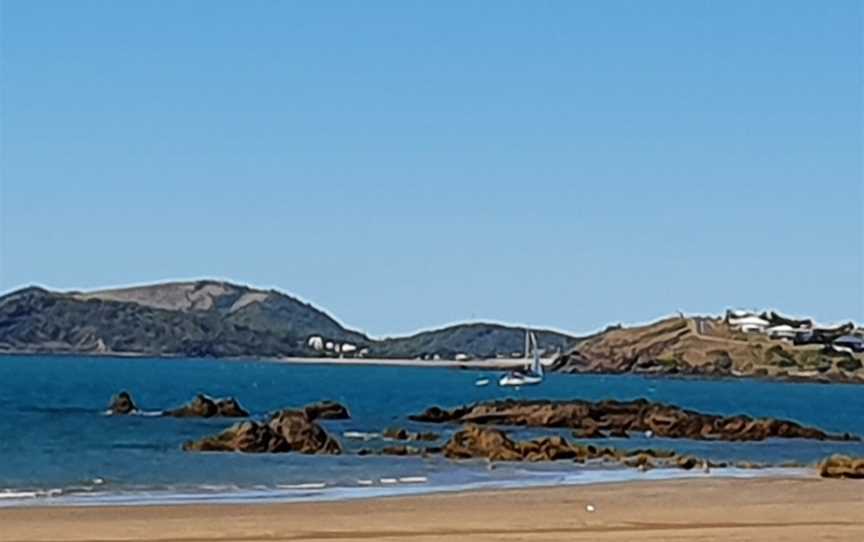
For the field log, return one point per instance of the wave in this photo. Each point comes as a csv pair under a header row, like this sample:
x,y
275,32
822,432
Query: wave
x,y
361,435
141,413
93,495
314,485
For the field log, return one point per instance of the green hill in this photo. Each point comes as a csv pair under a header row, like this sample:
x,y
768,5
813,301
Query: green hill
x,y
219,319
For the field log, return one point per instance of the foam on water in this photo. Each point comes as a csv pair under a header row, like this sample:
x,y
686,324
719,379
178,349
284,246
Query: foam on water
x,y
364,489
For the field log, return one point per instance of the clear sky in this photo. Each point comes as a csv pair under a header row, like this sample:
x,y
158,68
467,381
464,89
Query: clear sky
x,y
408,164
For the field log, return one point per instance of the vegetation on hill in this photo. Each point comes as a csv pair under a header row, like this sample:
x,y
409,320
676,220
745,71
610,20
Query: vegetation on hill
x,y
219,319
477,340
706,346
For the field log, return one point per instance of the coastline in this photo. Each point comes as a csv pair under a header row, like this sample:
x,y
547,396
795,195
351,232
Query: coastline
x,y
497,364
778,508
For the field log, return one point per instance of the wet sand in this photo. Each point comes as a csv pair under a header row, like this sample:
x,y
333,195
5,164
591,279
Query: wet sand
x,y
711,510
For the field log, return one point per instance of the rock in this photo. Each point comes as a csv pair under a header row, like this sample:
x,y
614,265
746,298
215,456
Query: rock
x,y
122,404
640,461
205,407
401,450
688,462
842,466
302,434
395,433
246,437
474,441
618,433
553,448
327,410
285,431
493,444
621,417
230,408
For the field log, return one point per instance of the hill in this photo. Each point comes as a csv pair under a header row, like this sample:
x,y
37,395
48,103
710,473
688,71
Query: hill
x,y
706,346
219,319
476,340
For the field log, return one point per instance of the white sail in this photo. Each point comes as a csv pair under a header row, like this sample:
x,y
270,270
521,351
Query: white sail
x,y
533,372
536,366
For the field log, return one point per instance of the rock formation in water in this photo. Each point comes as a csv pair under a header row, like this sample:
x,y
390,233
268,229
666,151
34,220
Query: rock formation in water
x,y
122,404
285,431
622,417
327,410
396,433
205,407
841,466
474,441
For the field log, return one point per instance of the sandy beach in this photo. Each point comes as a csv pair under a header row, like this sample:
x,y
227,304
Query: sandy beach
x,y
722,509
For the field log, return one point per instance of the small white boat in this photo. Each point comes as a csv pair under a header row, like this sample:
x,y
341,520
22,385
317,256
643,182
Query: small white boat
x,y
532,374
482,382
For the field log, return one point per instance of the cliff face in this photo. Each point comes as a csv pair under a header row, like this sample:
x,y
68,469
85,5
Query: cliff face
x,y
706,346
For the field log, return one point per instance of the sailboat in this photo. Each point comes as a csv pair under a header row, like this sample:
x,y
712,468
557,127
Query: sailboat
x,y
530,375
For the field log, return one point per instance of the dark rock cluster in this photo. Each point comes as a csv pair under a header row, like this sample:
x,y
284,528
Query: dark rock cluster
x,y
205,407
842,466
493,444
285,431
618,418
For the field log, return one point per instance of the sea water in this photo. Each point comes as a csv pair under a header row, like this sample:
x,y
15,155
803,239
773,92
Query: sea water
x,y
57,445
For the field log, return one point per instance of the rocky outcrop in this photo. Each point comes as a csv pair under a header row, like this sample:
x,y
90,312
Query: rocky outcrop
x,y
285,431
122,404
327,410
712,347
396,433
303,435
621,417
247,437
205,407
842,466
493,444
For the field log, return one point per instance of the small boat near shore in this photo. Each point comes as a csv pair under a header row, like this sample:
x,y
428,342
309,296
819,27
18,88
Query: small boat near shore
x,y
530,375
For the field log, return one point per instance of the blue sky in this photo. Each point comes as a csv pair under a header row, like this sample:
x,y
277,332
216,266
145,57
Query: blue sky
x,y
408,164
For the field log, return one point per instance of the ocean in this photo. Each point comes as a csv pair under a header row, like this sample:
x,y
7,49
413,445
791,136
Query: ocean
x,y
57,446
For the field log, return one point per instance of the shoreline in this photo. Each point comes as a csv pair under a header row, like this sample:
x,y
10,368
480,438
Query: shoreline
x,y
393,486
769,508
497,364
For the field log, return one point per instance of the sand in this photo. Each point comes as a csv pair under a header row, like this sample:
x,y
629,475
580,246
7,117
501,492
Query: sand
x,y
721,509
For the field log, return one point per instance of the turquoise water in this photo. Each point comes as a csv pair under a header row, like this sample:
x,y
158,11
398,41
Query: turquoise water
x,y
57,446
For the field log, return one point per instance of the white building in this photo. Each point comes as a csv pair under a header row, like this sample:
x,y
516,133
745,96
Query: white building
x,y
749,324
316,343
782,331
